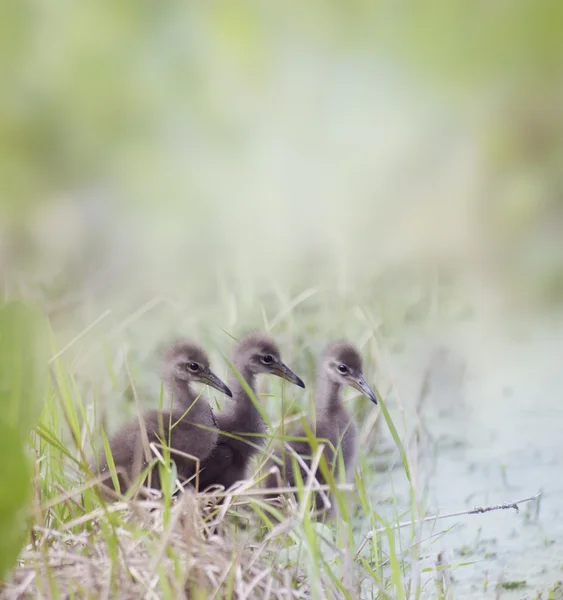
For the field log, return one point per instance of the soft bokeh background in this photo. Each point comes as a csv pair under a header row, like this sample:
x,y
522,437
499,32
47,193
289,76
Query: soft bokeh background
x,y
183,167
157,147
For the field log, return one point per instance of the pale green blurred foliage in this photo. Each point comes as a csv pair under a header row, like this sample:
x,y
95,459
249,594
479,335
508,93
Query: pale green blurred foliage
x,y
23,362
235,154
295,143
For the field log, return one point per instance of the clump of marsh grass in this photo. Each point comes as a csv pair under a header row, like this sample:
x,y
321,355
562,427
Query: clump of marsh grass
x,y
135,549
187,547
222,543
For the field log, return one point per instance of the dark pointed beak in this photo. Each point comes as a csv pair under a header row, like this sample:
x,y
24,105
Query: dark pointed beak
x,y
359,383
213,381
285,372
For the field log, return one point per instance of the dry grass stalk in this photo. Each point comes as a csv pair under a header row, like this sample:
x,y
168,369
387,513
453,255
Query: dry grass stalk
x,y
188,553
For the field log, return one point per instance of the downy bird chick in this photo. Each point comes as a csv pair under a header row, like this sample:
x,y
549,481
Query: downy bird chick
x,y
184,363
339,366
254,355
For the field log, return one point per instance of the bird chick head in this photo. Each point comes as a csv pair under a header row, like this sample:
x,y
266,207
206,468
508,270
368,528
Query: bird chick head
x,y
187,362
342,364
260,354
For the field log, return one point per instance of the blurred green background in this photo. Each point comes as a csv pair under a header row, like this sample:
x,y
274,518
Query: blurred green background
x,y
379,149
317,169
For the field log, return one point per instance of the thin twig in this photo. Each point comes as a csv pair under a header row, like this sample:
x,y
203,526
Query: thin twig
x,y
472,511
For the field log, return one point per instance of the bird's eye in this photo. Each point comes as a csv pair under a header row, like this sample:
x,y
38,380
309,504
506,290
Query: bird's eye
x,y
193,367
267,359
343,368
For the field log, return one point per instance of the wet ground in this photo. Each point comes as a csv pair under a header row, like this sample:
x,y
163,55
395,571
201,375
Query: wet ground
x,y
488,405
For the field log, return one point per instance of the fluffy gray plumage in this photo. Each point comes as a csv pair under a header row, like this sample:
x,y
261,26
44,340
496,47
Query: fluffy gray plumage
x,y
129,447
339,365
343,352
229,460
